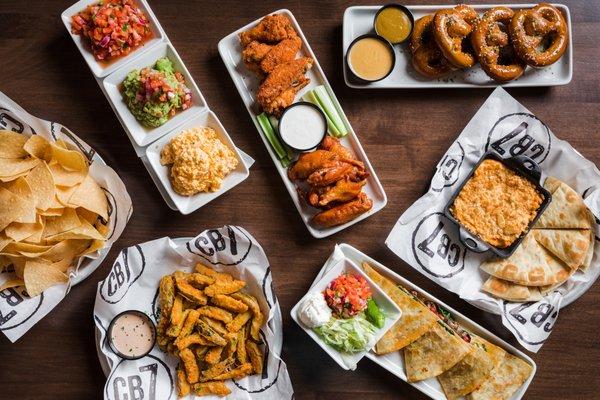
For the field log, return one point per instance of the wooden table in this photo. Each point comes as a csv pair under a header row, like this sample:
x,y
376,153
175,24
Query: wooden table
x,y
404,132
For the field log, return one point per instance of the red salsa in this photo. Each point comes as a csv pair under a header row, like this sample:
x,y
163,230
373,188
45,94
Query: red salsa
x,y
347,295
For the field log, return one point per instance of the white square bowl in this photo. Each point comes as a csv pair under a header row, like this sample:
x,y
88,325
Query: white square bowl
x,y
387,305
188,204
102,69
142,135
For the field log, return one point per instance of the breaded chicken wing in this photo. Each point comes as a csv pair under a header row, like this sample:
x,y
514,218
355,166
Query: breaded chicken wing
x,y
271,29
344,213
281,53
253,54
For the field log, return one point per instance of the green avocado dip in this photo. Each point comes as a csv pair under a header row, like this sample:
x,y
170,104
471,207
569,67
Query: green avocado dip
x,y
154,94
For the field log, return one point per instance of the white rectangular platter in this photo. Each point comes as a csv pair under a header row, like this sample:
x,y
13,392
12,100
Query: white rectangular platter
x,y
358,20
109,78
394,362
247,86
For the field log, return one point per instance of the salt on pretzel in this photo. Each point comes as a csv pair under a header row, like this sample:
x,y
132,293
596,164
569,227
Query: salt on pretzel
x,y
539,35
492,46
427,58
452,29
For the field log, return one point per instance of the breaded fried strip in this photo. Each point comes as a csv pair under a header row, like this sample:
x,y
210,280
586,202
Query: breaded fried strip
x,y
176,310
216,369
224,288
216,313
166,297
257,318
200,352
218,276
239,321
218,326
194,338
190,365
241,347
256,356
188,325
209,333
236,373
231,347
200,279
229,303
190,292
215,387
183,387
175,329
213,355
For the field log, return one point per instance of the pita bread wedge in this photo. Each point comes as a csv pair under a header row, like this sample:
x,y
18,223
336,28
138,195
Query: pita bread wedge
x,y
436,351
504,380
566,211
568,245
530,265
470,372
511,291
416,319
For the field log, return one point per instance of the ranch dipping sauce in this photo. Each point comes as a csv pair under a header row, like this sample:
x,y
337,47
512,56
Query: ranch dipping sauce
x,y
302,126
371,59
132,334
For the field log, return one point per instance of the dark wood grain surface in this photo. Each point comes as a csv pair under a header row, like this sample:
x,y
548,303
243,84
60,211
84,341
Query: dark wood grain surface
x,y
404,133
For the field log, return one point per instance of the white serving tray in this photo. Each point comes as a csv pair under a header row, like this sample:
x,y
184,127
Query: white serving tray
x,y
394,362
387,305
108,79
358,20
247,85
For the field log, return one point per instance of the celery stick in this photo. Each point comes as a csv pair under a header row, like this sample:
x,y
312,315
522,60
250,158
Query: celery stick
x,y
325,101
311,98
275,125
267,129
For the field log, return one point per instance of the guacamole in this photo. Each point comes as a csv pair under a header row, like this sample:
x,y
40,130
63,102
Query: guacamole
x,y
154,94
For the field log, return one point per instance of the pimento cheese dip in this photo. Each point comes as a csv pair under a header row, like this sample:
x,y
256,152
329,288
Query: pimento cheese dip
x,y
496,204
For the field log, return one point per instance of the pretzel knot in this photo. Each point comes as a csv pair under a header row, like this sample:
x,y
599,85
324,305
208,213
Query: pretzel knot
x,y
539,35
452,29
492,46
427,58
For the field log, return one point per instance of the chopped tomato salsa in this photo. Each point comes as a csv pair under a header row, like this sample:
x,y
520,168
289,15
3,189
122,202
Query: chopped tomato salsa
x,y
347,295
113,27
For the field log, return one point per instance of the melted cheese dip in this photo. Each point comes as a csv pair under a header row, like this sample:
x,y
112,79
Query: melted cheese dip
x,y
393,24
132,335
370,59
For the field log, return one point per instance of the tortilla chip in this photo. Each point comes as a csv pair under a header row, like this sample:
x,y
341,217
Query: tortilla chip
x,y
88,215
38,147
530,265
52,212
416,319
83,231
63,177
4,241
511,291
19,231
12,207
12,283
71,160
504,380
39,276
63,194
438,350
63,223
89,195
21,188
42,184
566,211
69,248
10,167
12,144
470,372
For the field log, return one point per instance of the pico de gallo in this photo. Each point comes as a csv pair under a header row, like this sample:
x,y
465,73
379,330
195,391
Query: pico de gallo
x,y
347,295
113,27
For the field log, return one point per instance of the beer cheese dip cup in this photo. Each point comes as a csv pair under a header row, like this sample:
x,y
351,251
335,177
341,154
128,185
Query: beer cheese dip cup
x,y
370,58
302,126
131,334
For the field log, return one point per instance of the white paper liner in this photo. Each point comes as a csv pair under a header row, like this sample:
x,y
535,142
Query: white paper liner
x,y
19,313
133,282
429,242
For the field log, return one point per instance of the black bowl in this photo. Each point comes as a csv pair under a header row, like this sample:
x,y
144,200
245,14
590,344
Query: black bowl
x,y
302,103
374,36
110,327
405,11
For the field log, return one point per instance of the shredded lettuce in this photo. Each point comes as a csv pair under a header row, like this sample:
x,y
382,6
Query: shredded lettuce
x,y
350,335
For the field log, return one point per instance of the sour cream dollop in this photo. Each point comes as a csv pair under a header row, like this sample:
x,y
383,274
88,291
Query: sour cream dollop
x,y
314,311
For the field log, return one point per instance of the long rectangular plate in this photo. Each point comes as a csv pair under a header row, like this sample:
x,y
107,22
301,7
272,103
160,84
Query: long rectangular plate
x,y
247,85
358,20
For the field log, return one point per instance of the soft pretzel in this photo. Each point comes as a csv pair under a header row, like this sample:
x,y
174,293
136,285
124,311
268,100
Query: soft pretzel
x,y
452,29
492,46
539,35
427,57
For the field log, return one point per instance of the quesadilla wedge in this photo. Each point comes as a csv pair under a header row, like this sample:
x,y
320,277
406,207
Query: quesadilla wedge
x,y
568,245
416,318
566,211
530,265
504,380
511,291
470,372
436,351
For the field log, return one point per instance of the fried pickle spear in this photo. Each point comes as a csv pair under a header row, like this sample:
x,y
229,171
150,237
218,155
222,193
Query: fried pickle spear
x,y
256,357
183,387
229,303
215,387
188,291
239,321
213,355
236,373
224,288
190,365
209,333
257,316
216,313
166,299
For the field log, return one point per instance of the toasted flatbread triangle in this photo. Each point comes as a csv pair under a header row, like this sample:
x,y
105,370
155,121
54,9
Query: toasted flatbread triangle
x,y
590,253
568,245
470,372
511,291
504,380
416,319
530,265
438,350
566,211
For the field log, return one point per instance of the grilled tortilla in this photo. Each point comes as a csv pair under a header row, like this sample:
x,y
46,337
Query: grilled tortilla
x,y
416,319
504,380
511,291
567,209
470,372
568,245
433,353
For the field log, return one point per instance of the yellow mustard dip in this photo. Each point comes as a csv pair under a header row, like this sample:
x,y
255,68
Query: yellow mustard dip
x,y
370,59
393,24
